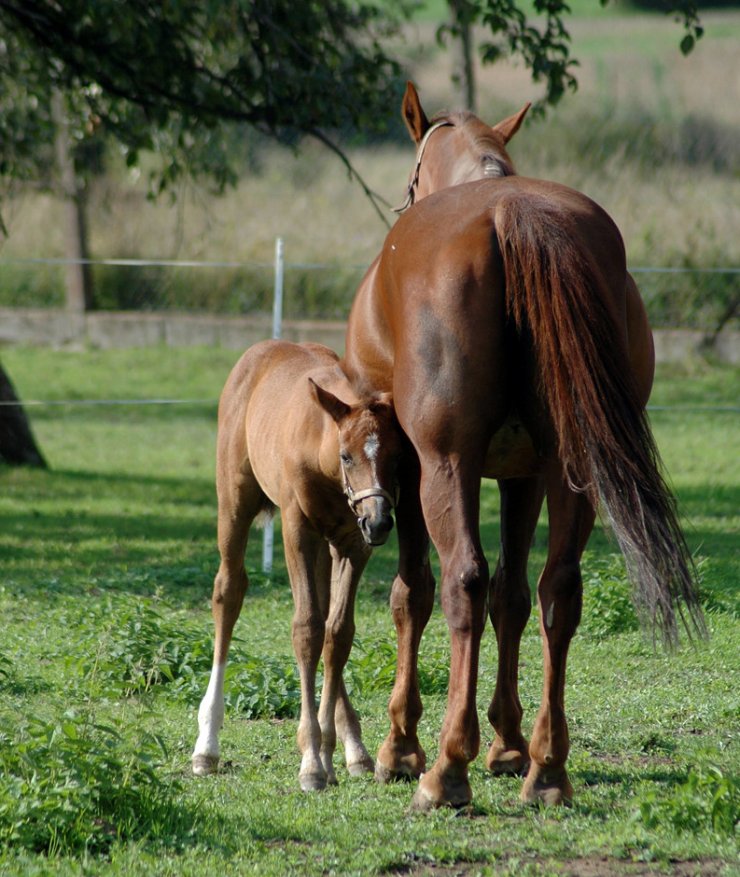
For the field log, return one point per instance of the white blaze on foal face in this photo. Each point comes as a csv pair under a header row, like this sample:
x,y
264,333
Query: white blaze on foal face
x,y
372,447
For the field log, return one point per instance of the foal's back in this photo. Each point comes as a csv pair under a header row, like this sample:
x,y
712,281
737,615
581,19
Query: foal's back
x,y
270,428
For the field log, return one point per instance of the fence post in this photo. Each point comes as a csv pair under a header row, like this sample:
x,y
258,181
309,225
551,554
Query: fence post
x,y
268,534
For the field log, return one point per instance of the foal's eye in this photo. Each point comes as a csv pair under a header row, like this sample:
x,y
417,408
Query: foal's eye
x,y
345,458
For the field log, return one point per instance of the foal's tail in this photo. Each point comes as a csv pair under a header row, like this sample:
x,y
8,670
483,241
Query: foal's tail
x,y
556,292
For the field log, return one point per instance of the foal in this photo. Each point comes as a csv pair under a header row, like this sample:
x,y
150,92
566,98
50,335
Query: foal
x,y
292,433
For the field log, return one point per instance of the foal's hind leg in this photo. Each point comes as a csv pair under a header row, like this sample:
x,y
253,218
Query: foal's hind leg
x,y
559,593
412,598
509,608
348,728
239,500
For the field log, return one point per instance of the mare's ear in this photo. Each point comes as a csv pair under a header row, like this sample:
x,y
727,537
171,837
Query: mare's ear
x,y
334,407
507,128
413,115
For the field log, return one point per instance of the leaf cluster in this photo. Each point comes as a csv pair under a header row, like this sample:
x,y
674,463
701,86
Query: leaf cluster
x,y
73,784
542,41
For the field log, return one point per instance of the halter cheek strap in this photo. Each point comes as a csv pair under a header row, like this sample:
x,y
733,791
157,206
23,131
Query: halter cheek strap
x,y
410,194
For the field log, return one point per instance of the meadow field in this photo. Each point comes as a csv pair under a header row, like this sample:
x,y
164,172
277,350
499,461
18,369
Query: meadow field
x,y
107,562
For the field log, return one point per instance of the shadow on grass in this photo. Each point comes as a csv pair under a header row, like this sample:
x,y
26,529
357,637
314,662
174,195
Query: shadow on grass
x,y
72,531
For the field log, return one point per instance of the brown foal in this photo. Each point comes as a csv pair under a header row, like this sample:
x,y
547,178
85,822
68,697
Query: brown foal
x,y
293,434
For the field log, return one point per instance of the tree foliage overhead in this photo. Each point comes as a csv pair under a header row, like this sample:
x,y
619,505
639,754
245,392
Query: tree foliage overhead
x,y
169,76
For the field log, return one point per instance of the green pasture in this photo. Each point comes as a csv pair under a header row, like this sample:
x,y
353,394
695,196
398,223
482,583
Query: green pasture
x,y
107,561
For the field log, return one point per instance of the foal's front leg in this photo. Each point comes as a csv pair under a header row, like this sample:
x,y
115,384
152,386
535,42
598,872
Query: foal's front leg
x,y
302,548
336,715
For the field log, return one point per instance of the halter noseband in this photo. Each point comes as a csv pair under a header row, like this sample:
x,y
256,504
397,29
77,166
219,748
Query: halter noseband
x,y
354,498
410,194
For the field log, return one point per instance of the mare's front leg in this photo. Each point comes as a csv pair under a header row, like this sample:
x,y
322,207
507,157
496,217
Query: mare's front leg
x,y
509,607
336,715
450,489
559,594
303,550
412,598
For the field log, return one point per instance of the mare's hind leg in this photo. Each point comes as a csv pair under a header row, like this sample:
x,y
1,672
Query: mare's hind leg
x,y
412,599
450,496
339,634
239,500
509,607
559,594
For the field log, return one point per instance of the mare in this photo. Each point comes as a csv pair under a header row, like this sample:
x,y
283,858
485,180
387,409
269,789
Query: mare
x,y
501,317
293,434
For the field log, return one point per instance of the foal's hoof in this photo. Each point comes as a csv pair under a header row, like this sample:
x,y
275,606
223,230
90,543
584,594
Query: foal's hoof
x,y
506,762
361,767
205,765
312,782
548,786
434,792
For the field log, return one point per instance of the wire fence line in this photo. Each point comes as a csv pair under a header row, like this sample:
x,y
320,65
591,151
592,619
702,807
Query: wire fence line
x,y
248,263
112,403
706,298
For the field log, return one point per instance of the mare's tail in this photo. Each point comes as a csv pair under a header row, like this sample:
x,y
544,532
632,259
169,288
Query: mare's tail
x,y
558,294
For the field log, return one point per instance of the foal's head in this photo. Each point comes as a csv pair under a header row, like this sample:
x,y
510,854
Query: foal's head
x,y
369,449
455,148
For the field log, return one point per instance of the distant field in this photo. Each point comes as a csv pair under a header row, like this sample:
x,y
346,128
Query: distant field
x,y
649,134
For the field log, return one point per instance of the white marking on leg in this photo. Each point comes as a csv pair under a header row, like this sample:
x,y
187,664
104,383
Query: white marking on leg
x,y
211,715
550,614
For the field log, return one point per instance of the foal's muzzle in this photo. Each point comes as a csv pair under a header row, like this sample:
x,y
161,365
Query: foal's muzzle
x,y
374,519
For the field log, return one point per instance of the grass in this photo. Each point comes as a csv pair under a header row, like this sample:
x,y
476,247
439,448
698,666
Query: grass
x,y
107,564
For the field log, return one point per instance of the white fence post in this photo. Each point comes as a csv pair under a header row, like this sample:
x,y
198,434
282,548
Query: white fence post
x,y
268,535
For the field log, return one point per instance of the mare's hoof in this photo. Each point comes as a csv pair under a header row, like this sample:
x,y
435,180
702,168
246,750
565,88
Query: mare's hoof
x,y
550,787
433,793
361,767
507,762
205,765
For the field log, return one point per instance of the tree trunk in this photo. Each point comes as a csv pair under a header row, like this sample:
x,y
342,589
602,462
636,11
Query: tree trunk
x,y
463,71
79,292
17,444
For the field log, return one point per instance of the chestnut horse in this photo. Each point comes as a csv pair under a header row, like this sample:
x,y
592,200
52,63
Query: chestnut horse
x,y
501,317
293,434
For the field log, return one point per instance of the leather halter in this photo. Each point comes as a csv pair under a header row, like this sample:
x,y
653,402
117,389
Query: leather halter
x,y
410,194
354,498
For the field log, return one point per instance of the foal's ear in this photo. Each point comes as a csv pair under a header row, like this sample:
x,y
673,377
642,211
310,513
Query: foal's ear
x,y
334,407
413,115
382,401
507,128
